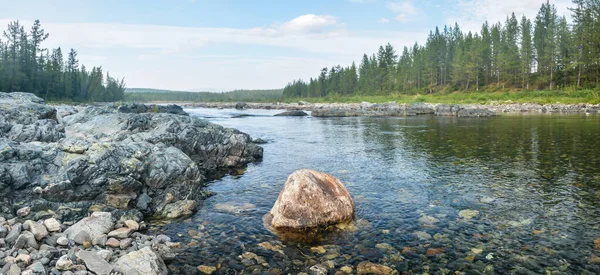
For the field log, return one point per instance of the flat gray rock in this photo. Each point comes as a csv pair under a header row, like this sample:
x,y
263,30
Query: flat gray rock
x,y
95,262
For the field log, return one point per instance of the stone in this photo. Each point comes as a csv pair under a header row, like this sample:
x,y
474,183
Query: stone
x,y
476,251
118,201
241,105
114,243
38,230
318,269
64,263
52,225
24,211
292,113
133,225
468,214
421,235
105,254
62,241
141,262
180,209
24,258
120,233
14,270
206,269
100,240
94,262
95,225
125,243
374,269
318,249
311,199
434,251
37,268
347,269
81,237
26,239
13,234
3,231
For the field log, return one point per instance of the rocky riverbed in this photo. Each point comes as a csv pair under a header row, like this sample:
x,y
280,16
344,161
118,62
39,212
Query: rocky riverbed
x,y
395,109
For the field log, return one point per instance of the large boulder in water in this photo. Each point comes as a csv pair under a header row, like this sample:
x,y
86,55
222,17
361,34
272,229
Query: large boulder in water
x,y
311,199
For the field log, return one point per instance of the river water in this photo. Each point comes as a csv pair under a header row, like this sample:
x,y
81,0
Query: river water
x,y
510,194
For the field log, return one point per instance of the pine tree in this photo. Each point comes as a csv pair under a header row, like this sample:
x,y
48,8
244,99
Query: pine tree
x,y
526,52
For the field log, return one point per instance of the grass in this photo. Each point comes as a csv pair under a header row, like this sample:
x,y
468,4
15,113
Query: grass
x,y
499,97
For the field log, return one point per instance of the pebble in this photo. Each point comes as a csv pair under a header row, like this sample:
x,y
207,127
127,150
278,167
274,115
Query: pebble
x,y
206,269
22,212
52,225
63,241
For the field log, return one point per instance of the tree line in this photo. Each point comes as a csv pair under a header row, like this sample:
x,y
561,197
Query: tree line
x,y
146,95
25,66
546,53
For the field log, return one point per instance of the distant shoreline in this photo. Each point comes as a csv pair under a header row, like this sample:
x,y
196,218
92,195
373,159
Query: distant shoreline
x,y
393,109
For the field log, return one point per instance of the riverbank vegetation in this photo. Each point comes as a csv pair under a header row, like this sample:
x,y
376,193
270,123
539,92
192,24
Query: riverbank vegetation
x,y
147,95
544,60
461,97
26,66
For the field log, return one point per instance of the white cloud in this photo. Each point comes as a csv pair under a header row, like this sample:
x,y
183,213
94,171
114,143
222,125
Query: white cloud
x,y
308,23
383,20
184,58
471,14
405,10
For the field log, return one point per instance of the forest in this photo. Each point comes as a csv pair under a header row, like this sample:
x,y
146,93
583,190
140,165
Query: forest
x,y
545,53
146,95
26,66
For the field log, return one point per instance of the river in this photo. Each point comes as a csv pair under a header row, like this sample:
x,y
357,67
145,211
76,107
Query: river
x,y
509,194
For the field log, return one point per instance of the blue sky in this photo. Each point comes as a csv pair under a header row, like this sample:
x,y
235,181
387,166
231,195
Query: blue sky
x,y
224,45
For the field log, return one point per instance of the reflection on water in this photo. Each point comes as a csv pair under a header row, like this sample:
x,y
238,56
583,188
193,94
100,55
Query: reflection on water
x,y
437,195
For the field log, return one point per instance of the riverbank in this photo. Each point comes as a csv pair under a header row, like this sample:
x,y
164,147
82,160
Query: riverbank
x,y
407,109
121,164
97,244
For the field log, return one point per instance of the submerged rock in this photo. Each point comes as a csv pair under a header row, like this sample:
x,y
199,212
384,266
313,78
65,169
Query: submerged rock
x,y
375,269
292,113
311,199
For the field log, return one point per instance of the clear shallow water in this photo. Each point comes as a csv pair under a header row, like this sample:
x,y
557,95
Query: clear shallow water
x,y
531,182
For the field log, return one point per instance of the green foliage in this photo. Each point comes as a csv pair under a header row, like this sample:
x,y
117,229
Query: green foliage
x,y
27,67
147,95
460,97
545,54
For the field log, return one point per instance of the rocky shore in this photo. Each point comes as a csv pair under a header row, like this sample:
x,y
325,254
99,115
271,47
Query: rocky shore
x,y
130,160
77,182
394,109
95,245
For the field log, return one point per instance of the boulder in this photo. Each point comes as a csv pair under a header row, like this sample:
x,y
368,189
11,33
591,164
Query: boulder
x,y
241,105
141,262
311,199
292,113
95,225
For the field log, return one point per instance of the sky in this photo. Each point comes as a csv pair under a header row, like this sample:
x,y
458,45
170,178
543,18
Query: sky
x,y
223,45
